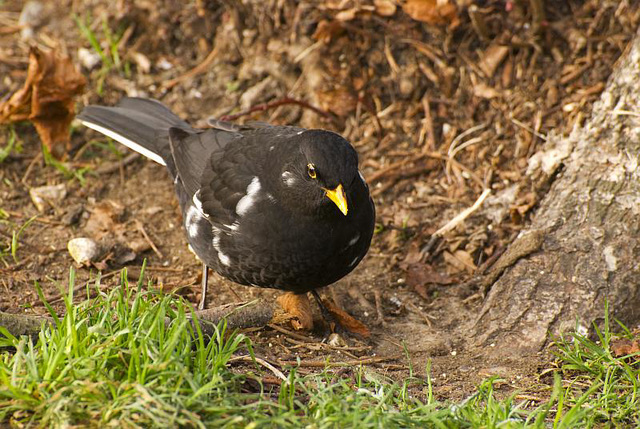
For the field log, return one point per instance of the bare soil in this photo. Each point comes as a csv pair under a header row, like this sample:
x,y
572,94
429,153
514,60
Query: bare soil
x,y
436,112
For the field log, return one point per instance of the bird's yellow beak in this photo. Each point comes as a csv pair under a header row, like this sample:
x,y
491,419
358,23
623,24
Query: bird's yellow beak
x,y
338,198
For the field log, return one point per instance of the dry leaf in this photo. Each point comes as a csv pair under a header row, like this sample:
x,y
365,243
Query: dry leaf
x,y
624,346
340,101
436,12
104,221
459,260
345,320
47,99
419,276
299,308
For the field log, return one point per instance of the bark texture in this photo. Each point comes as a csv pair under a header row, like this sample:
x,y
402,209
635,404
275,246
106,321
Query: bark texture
x,y
583,246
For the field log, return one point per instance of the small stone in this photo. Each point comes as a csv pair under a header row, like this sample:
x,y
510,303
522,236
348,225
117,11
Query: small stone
x,y
88,59
31,17
83,250
336,340
44,195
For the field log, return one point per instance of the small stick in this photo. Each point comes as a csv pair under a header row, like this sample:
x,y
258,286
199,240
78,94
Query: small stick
x,y
427,136
454,222
200,68
422,314
290,333
116,166
30,167
463,215
273,369
147,239
273,104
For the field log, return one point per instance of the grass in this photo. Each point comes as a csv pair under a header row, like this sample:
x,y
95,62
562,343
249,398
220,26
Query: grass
x,y
12,245
113,360
67,170
606,387
107,51
13,143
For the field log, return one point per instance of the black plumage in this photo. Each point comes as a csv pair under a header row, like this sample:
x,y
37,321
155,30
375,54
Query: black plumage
x,y
269,206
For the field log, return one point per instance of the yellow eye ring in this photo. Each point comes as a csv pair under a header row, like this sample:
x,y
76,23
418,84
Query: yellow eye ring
x,y
311,171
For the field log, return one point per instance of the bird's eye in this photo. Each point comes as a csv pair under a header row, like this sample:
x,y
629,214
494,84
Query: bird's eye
x,y
311,171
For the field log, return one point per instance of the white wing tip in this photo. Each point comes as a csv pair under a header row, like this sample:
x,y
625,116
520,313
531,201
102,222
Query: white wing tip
x,y
125,141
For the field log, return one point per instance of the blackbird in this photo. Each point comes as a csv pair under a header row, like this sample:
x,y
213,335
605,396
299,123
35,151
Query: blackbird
x,y
269,206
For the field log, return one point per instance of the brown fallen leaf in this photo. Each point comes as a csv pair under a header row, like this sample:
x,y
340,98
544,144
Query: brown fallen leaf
x,y
345,320
105,221
339,100
460,260
624,346
299,308
436,12
47,99
419,276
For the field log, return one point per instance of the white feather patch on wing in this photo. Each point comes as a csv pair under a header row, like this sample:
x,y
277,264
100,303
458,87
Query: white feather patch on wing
x,y
224,259
125,141
191,221
198,204
249,199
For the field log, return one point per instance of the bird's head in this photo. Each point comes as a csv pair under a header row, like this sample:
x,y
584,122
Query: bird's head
x,y
319,173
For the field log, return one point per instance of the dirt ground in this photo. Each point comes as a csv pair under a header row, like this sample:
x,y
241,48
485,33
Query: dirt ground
x,y
439,108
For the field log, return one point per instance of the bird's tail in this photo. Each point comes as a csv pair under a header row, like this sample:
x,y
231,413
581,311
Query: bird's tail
x,y
138,123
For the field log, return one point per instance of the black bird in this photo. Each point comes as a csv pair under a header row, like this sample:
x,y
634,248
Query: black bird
x,y
268,206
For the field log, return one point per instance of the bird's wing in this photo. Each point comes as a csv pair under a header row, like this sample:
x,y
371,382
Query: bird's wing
x,y
216,168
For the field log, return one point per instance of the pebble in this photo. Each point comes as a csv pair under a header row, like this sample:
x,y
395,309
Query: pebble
x,y
88,59
83,250
31,16
44,195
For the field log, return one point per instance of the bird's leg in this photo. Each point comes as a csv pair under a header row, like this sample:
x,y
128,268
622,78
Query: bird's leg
x,y
326,315
205,280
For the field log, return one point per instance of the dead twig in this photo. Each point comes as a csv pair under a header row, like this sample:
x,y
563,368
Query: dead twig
x,y
427,137
111,167
463,215
455,221
200,68
256,359
289,333
142,231
32,164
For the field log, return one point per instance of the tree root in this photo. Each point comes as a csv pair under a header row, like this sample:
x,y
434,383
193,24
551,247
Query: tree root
x,y
238,315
